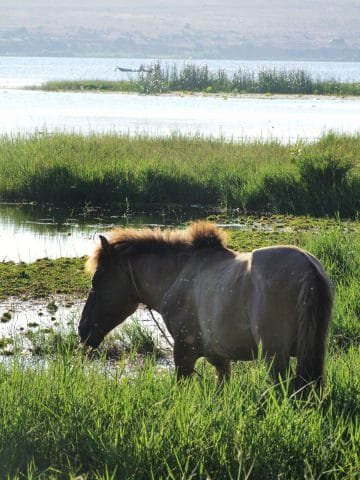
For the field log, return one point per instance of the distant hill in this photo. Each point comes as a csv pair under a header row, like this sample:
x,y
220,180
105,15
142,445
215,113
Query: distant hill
x,y
256,29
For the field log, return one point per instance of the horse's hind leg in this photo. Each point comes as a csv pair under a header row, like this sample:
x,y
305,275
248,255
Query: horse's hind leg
x,y
222,366
273,338
185,357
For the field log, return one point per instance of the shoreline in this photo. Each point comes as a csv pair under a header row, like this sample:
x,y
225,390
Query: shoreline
x,y
180,93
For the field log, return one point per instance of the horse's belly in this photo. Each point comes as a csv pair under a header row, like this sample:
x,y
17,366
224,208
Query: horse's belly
x,y
233,342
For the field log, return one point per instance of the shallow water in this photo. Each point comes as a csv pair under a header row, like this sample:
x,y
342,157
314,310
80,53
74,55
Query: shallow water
x,y
37,314
29,232
20,319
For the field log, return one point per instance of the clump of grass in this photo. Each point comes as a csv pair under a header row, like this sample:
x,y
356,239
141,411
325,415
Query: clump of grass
x,y
131,338
325,181
50,342
5,317
5,341
51,307
134,336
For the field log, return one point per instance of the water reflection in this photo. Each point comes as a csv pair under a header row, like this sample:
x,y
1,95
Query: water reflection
x,y
29,232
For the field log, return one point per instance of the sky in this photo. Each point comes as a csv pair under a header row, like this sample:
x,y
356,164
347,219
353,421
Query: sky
x,y
332,16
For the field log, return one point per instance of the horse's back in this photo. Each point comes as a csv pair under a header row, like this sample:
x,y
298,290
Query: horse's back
x,y
283,269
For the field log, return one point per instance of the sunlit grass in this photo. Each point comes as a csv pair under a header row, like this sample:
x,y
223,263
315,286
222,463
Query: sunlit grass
x,y
72,417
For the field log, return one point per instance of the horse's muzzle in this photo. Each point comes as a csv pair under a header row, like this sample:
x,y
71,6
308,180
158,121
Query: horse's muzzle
x,y
91,333
90,336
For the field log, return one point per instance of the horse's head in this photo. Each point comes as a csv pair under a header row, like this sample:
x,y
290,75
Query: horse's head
x,y
112,297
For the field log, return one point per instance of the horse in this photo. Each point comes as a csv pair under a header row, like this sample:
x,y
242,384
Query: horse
x,y
216,303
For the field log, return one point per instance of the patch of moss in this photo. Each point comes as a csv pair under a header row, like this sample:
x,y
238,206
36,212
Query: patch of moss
x,y
43,278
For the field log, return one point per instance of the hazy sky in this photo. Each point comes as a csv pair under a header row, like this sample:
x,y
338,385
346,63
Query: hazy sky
x,y
282,17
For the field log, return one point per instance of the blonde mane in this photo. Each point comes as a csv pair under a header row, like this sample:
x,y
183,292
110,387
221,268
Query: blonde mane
x,y
201,234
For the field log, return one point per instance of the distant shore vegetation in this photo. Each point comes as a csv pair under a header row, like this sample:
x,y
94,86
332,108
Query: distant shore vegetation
x,y
318,178
159,79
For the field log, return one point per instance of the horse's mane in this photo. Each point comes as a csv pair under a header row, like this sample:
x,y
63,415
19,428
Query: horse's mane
x,y
201,234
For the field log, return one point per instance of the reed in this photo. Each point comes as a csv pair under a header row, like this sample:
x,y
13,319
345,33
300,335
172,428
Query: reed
x,y
318,178
199,78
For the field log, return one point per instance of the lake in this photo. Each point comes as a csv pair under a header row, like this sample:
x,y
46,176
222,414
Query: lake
x,y
286,119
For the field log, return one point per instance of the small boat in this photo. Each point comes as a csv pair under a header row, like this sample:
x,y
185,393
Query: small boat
x,y
130,70
121,69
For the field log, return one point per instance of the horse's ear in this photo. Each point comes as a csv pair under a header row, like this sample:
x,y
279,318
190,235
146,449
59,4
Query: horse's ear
x,y
105,245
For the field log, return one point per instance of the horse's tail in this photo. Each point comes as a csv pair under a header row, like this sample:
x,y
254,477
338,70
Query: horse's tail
x,y
314,313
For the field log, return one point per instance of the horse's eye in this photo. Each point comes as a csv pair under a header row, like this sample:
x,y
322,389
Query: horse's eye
x,y
95,279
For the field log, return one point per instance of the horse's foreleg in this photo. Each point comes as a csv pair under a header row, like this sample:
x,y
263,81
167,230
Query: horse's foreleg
x,y
185,357
223,369
279,365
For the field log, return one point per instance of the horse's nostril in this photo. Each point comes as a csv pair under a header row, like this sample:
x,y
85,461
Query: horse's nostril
x,y
90,335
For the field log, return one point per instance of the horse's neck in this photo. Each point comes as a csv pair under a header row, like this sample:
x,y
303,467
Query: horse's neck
x,y
153,274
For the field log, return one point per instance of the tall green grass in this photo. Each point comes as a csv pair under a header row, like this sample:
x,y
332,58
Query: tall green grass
x,y
198,78
339,251
70,417
318,178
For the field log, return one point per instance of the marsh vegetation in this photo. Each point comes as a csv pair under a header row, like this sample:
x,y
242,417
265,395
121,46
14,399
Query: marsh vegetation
x,y
319,178
199,78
